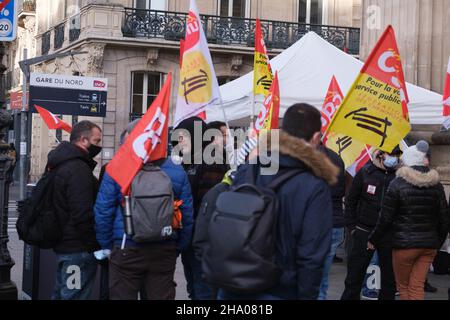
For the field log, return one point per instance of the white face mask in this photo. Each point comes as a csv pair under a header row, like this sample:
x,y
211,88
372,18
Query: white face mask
x,y
390,162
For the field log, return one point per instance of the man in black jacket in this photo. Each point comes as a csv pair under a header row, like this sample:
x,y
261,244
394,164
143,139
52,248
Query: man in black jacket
x,y
74,195
337,196
362,207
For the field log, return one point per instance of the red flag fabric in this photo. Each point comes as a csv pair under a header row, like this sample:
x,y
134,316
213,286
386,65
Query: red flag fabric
x,y
52,121
181,51
360,162
332,102
446,95
268,118
147,142
388,66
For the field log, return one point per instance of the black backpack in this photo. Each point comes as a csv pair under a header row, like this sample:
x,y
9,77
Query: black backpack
x,y
207,208
241,250
38,223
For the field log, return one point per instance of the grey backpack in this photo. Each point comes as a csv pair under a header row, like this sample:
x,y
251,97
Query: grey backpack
x,y
151,205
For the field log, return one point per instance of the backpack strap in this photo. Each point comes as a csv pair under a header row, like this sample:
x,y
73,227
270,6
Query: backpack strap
x,y
286,175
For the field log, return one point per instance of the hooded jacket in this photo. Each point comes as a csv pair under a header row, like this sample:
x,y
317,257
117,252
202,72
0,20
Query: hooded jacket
x,y
74,196
364,200
305,218
202,176
415,209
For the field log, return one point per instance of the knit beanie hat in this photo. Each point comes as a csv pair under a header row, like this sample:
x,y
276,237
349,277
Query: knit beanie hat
x,y
415,155
128,130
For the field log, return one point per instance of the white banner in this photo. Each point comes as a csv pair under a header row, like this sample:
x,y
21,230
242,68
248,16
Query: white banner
x,y
68,82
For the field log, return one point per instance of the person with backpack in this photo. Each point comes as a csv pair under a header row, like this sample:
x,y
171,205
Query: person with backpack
x,y
415,211
270,235
202,178
73,196
337,195
147,257
362,207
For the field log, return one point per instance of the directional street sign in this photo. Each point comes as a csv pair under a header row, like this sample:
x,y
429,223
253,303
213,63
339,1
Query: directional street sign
x,y
71,95
8,20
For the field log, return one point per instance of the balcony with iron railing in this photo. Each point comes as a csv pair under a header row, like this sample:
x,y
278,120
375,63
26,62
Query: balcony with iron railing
x,y
45,42
139,23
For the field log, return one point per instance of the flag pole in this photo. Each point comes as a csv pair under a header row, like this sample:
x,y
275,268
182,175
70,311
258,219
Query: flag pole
x,y
369,153
230,137
252,117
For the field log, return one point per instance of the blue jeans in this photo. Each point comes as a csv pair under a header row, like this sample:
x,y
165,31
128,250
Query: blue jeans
x,y
336,239
197,288
75,275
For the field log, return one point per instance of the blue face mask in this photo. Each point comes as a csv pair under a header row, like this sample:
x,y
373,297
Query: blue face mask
x,y
390,162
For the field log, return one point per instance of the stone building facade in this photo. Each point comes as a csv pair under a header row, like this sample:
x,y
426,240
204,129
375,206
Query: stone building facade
x,y
135,43
423,38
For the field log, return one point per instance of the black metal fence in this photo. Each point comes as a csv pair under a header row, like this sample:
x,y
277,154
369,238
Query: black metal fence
x,y
234,31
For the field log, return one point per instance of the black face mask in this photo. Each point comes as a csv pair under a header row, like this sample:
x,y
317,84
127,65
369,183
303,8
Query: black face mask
x,y
94,150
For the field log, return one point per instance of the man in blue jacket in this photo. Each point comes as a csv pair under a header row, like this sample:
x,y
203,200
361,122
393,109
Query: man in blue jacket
x,y
145,265
306,210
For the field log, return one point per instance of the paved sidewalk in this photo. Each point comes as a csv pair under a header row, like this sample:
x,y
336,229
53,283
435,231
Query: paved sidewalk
x,y
337,274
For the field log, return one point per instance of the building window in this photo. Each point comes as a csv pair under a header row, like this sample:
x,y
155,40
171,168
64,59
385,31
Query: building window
x,y
150,4
145,87
234,8
310,11
72,7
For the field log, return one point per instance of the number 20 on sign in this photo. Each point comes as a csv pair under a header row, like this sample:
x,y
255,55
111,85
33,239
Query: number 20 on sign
x,y
8,20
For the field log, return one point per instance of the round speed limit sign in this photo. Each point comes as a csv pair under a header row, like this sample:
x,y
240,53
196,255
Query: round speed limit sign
x,y
5,27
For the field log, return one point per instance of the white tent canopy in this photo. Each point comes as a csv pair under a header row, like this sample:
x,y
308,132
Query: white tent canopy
x,y
305,70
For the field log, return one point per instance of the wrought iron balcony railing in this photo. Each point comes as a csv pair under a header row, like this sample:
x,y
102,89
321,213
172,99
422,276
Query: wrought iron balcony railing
x,y
45,42
59,36
234,31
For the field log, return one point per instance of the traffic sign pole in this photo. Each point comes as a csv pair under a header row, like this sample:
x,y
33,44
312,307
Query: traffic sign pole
x,y
23,135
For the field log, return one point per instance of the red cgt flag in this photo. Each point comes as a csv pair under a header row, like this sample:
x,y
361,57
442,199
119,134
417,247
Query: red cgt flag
x,y
446,95
268,118
332,102
52,121
147,142
181,51
388,67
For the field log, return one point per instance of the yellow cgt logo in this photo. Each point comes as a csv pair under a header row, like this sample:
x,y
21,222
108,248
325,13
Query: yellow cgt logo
x,y
195,79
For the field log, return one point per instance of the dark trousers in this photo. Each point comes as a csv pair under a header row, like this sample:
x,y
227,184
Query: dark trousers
x,y
197,288
358,261
104,279
151,267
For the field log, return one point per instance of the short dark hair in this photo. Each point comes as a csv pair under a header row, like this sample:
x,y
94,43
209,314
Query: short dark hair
x,y
216,125
82,129
302,121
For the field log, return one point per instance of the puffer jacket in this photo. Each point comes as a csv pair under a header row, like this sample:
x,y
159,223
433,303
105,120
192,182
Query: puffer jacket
x,y
109,224
415,209
363,202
